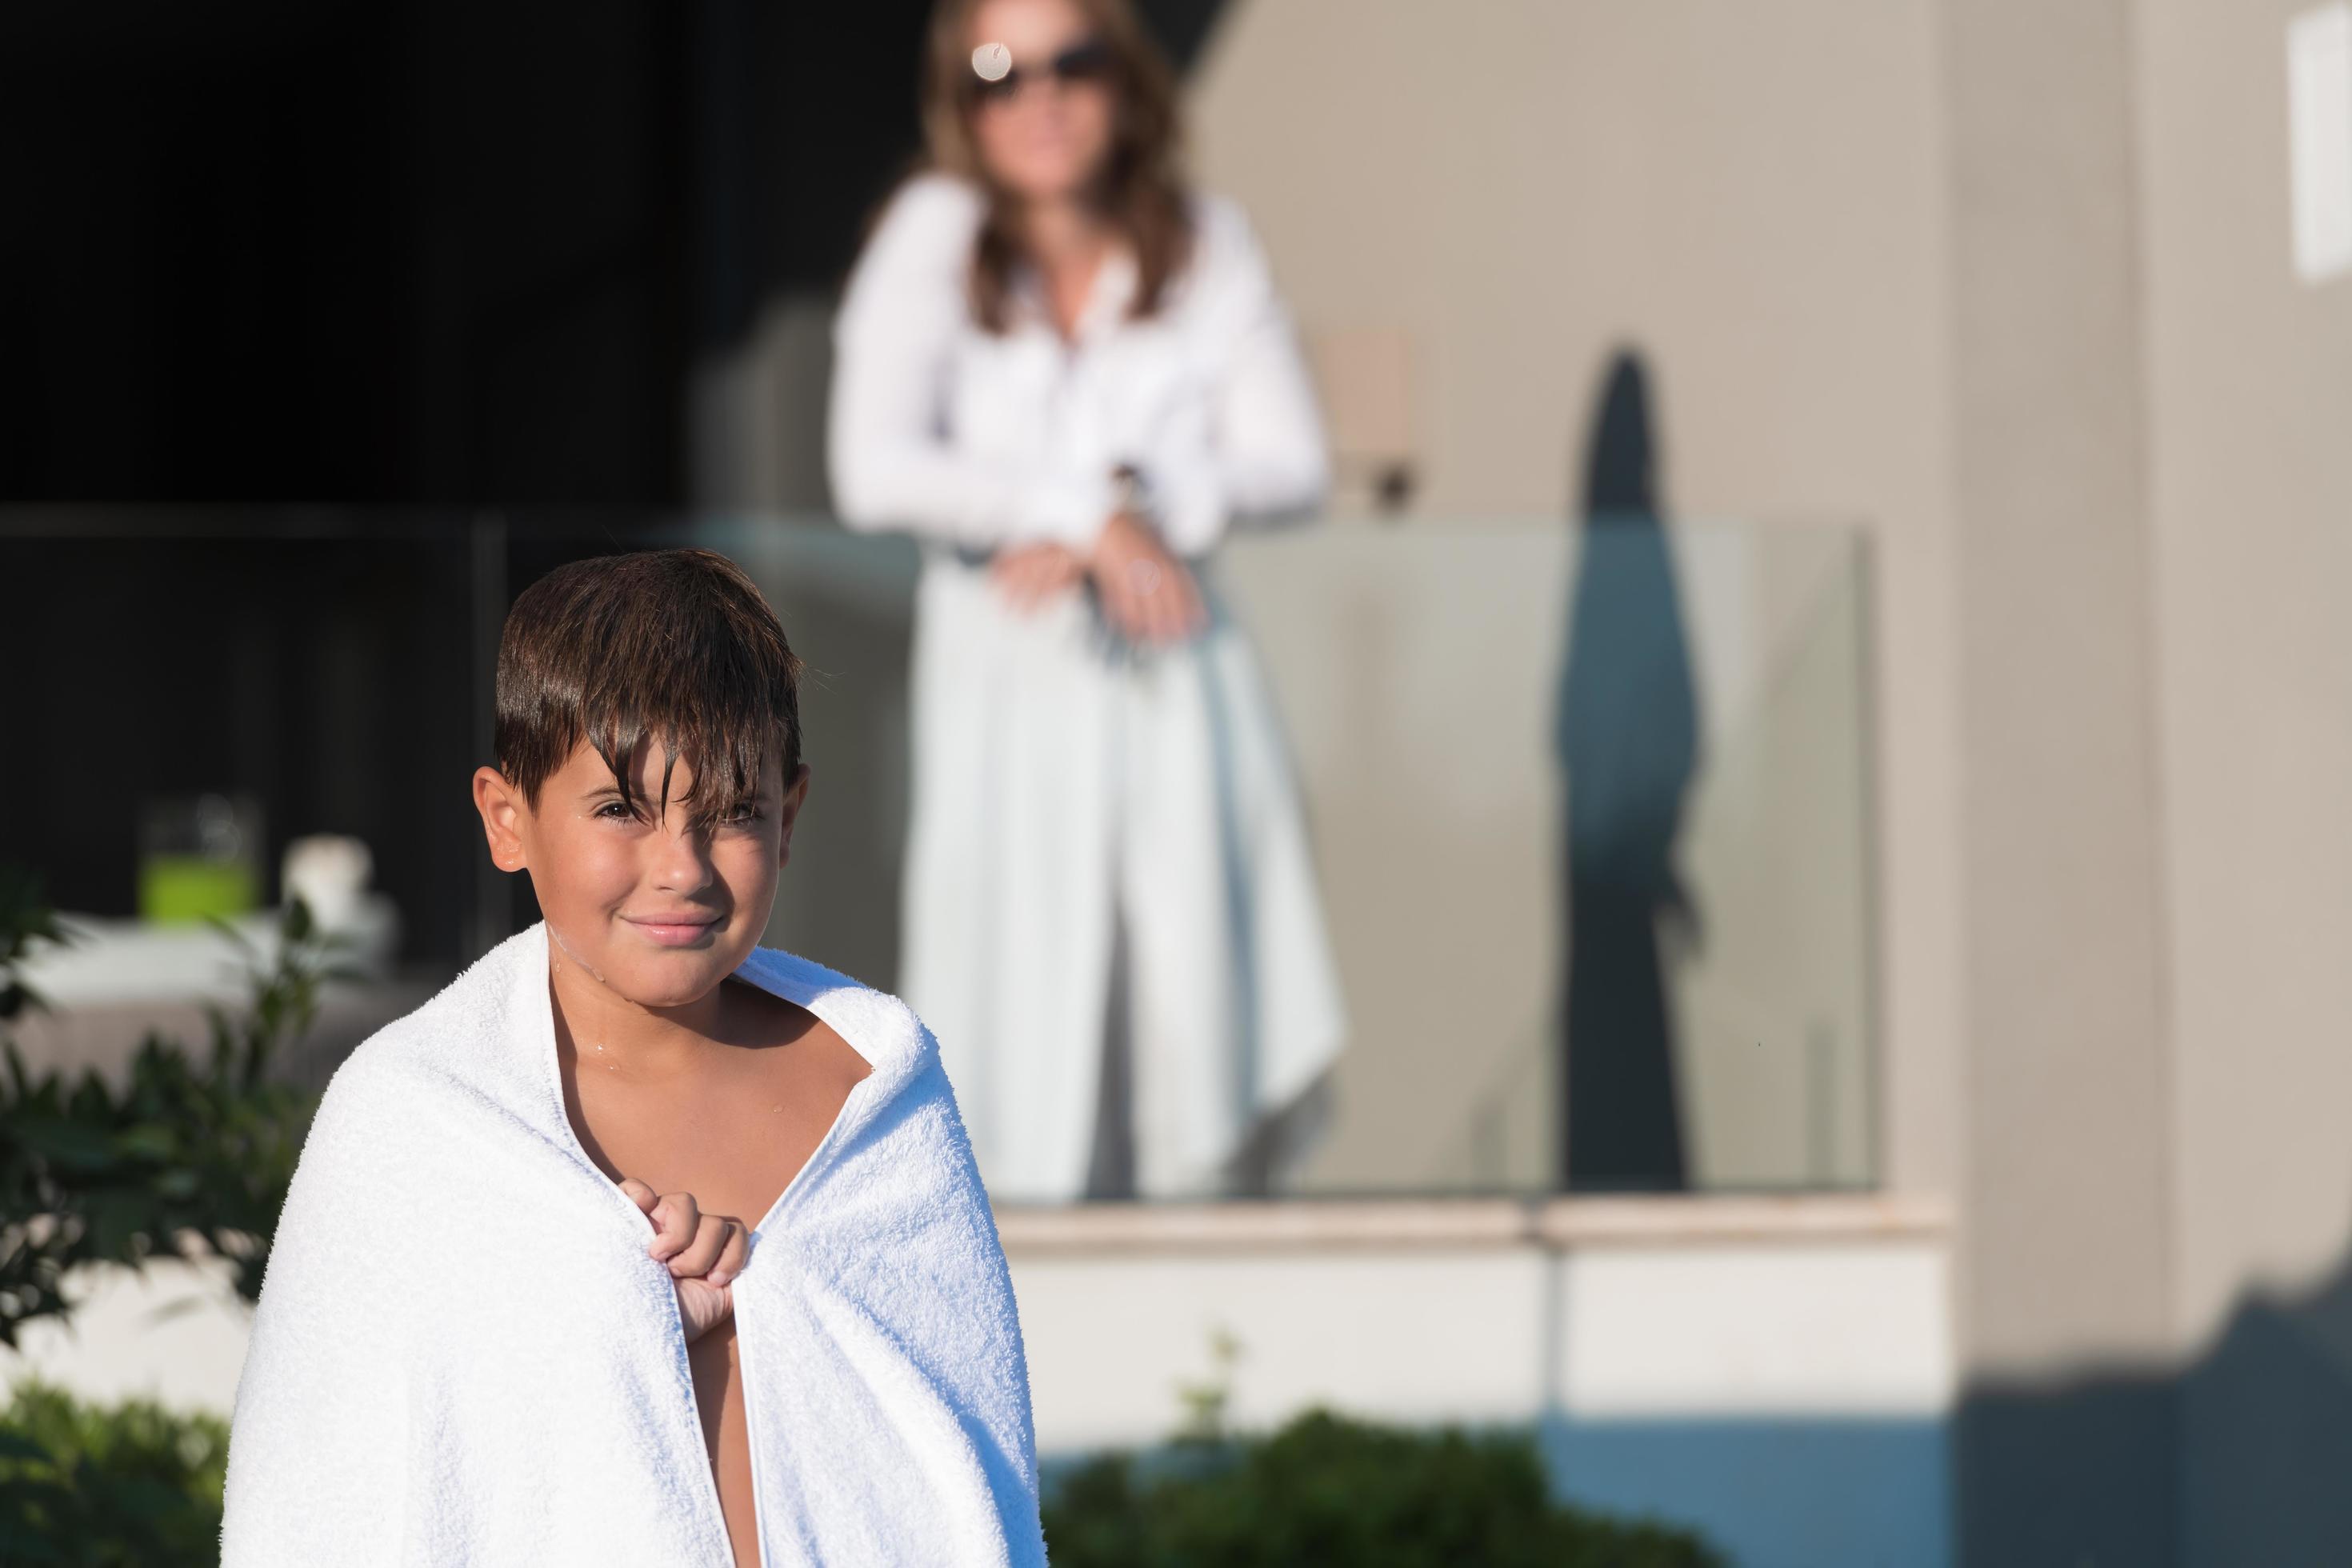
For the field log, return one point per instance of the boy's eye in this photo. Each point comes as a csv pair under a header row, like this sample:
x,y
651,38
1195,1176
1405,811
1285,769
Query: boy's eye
x,y
736,817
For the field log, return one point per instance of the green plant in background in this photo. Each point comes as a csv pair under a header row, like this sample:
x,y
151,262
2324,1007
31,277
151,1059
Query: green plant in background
x,y
1336,1493
188,1155
135,1486
1331,1492
1205,1402
24,924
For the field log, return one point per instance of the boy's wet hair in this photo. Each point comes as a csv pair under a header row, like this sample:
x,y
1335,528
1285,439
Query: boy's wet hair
x,y
674,648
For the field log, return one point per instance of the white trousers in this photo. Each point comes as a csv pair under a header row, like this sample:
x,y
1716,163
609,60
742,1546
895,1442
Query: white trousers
x,y
1061,777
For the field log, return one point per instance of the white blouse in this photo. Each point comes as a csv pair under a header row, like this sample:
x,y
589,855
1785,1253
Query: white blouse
x,y
981,439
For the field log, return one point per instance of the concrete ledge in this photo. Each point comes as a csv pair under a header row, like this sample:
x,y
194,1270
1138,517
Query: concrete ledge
x,y
1294,1224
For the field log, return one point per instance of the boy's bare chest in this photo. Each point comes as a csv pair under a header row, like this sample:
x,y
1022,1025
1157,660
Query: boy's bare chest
x,y
734,1135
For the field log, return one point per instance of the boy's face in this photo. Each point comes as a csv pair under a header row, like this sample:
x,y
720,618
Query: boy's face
x,y
655,907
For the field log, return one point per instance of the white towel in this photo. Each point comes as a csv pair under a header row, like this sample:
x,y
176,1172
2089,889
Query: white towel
x,y
463,1355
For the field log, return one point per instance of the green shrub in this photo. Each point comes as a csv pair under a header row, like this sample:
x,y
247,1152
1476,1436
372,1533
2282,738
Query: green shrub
x,y
190,1152
135,1486
1328,1492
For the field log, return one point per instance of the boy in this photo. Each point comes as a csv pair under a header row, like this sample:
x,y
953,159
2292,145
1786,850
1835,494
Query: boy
x,y
639,1244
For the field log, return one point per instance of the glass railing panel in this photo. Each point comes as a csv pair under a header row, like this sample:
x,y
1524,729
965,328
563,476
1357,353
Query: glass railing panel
x,y
1495,727
1424,674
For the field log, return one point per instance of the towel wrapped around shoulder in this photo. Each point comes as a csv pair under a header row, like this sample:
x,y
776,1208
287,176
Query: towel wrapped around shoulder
x,y
463,1354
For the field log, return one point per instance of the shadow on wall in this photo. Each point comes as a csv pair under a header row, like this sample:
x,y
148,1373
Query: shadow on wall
x,y
2243,1455
1775,1491
1626,737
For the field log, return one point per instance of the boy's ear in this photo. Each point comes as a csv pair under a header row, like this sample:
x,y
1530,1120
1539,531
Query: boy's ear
x,y
788,813
501,806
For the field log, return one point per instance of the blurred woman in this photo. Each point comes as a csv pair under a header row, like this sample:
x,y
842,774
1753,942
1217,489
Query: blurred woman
x,y
1067,375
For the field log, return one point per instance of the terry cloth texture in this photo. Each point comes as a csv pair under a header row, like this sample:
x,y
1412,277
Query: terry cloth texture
x,y
462,1353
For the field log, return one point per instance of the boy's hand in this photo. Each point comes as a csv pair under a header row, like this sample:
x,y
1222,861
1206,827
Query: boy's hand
x,y
704,1251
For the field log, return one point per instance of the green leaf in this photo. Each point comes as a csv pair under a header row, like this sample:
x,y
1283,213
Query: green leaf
x,y
74,1144
183,1143
16,1445
151,1141
179,1185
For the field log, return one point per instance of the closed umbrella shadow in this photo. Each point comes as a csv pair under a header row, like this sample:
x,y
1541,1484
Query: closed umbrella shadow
x,y
1626,737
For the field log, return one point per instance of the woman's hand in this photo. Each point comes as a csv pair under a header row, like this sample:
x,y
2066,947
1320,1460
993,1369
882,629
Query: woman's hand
x,y
1149,594
704,1251
1031,575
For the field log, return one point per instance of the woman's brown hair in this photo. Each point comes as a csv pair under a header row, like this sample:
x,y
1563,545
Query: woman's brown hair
x,y
1141,194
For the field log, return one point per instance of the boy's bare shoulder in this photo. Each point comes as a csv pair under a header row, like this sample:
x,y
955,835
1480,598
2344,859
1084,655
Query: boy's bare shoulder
x,y
770,1020
822,990
879,1027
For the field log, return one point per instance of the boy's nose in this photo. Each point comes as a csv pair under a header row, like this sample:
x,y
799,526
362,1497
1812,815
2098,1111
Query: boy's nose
x,y
682,859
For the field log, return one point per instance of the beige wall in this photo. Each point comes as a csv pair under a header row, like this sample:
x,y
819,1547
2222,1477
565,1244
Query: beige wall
x,y
2068,1176
1754,196
2065,1192
2155,488
2250,496
2249,408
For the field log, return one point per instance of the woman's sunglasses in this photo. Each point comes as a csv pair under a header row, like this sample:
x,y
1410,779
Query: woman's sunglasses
x,y
1084,62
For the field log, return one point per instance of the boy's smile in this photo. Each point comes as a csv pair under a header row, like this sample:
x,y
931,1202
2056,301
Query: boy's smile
x,y
684,929
658,899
